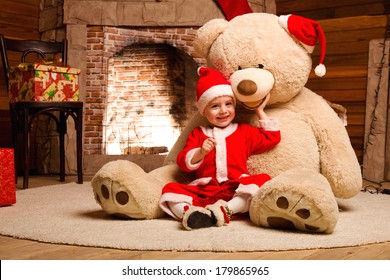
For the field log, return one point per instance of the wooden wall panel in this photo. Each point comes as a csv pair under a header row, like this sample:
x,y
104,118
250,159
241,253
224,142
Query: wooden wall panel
x,y
346,79
18,19
349,25
325,9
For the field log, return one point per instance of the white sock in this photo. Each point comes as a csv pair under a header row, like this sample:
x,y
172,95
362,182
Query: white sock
x,y
239,203
177,208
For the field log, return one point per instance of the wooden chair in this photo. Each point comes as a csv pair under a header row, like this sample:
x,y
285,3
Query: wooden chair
x,y
23,113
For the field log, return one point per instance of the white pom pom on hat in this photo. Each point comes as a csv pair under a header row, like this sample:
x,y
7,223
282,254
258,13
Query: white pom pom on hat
x,y
307,31
211,85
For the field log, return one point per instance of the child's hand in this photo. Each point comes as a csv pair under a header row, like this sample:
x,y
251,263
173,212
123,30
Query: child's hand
x,y
265,101
207,146
260,110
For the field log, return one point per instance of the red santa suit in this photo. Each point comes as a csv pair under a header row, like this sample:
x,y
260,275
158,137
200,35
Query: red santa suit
x,y
223,172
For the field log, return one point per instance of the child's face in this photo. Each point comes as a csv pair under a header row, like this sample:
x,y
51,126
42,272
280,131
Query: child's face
x,y
220,111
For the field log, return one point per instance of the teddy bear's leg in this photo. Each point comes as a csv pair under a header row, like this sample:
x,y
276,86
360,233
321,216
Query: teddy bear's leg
x,y
115,198
298,199
123,189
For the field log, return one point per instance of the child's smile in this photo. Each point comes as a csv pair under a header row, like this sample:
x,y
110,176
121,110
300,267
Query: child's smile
x,y
220,111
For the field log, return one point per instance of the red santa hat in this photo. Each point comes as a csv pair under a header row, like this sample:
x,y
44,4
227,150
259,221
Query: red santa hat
x,y
233,8
211,85
307,31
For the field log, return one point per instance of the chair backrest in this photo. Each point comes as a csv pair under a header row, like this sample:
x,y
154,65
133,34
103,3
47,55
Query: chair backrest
x,y
24,47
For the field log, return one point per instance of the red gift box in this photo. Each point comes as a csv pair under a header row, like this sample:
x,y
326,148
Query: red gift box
x,y
42,82
7,177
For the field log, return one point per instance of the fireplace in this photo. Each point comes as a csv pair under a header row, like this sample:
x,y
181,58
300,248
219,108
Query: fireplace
x,y
140,89
138,68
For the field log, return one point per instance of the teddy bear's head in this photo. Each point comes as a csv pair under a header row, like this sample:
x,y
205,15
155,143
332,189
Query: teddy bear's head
x,y
258,55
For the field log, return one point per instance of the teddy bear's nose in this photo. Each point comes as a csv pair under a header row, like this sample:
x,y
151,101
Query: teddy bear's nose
x,y
247,87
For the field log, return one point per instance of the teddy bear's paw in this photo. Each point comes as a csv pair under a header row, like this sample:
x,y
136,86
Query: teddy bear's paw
x,y
116,199
296,211
293,212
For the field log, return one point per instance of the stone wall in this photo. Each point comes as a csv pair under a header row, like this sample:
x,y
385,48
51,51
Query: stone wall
x,y
150,12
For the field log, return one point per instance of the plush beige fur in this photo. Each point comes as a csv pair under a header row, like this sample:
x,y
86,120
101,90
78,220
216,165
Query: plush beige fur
x,y
313,164
114,178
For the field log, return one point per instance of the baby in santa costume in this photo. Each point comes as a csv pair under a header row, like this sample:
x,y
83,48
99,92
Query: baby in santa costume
x,y
218,154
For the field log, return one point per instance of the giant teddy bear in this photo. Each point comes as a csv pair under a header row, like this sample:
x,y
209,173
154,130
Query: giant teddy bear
x,y
312,166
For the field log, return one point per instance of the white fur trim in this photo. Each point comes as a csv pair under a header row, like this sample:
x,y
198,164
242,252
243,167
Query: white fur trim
x,y
250,189
200,181
247,192
208,131
218,214
220,134
283,19
173,197
227,131
189,156
309,49
220,155
270,124
320,70
214,92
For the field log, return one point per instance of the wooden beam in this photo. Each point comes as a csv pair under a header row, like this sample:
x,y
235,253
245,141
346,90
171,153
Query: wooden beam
x,y
353,23
342,72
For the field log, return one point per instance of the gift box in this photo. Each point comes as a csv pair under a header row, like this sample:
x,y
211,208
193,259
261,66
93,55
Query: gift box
x,y
43,82
7,177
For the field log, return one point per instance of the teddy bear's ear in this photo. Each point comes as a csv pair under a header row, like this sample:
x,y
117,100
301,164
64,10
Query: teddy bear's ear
x,y
207,34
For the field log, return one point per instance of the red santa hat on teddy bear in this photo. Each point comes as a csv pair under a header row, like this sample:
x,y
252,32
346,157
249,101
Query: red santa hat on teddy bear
x,y
211,85
307,31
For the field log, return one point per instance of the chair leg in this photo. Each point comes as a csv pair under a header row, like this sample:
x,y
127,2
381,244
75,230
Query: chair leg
x,y
14,127
26,148
62,131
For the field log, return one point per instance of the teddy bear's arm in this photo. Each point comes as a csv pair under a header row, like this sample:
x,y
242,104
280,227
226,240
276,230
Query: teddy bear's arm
x,y
338,160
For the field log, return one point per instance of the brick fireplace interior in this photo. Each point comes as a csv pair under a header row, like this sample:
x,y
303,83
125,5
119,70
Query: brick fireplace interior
x,y
140,89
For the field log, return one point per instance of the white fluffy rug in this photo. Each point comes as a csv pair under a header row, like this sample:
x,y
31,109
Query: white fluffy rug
x,y
68,214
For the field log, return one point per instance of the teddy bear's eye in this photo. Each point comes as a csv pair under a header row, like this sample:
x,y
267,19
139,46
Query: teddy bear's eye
x,y
261,66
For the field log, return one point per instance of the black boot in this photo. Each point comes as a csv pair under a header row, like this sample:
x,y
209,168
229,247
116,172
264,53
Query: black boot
x,y
197,217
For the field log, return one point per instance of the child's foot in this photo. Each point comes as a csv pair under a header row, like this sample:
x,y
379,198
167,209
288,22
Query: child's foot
x,y
198,217
217,214
221,211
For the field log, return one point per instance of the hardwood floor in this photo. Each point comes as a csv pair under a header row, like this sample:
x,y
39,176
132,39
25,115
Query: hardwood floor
x,y
19,249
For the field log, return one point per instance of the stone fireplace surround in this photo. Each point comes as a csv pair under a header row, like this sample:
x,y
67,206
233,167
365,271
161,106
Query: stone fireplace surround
x,y
97,30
